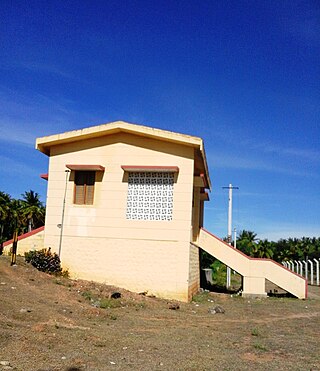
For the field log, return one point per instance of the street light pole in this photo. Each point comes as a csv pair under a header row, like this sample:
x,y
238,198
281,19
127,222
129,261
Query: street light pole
x,y
230,187
63,208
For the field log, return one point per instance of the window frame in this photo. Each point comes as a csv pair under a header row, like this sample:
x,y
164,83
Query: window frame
x,y
89,176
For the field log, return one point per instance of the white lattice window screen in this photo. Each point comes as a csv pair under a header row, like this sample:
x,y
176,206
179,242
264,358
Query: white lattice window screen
x,y
150,196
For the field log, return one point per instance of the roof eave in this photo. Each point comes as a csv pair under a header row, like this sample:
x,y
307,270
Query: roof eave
x,y
43,144
205,164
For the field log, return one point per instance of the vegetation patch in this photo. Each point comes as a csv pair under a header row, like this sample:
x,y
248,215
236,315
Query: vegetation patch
x,y
100,301
110,303
45,261
255,332
202,297
260,346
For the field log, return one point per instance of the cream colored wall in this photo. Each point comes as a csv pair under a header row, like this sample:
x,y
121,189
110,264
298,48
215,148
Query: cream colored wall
x,y
33,242
99,243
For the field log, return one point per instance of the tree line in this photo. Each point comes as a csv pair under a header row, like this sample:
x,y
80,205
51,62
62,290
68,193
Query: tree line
x,y
20,215
284,249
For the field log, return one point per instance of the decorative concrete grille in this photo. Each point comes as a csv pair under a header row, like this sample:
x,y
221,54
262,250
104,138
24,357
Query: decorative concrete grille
x,y
150,196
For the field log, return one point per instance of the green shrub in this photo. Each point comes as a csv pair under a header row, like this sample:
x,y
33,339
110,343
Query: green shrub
x,y
44,260
110,303
255,332
87,295
260,346
219,272
219,276
201,297
28,256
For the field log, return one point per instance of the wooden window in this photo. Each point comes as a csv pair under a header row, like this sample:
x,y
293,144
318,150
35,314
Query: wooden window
x,y
84,187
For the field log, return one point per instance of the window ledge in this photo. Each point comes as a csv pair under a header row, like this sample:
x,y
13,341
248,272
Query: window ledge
x,y
164,169
85,167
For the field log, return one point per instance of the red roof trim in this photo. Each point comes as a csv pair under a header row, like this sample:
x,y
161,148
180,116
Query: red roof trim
x,y
168,169
44,176
25,235
86,167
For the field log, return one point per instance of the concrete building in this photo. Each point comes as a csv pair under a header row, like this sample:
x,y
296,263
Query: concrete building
x,y
130,202
134,202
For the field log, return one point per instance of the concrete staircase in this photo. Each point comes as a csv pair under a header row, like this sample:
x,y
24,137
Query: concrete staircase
x,y
255,271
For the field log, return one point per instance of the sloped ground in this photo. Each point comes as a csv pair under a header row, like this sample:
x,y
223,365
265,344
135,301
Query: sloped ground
x,y
49,323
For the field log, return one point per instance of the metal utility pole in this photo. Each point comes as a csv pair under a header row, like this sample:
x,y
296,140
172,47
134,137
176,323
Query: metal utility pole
x,y
230,187
63,208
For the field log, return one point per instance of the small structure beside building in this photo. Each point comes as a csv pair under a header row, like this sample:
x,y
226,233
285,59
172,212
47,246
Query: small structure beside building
x,y
125,206
33,240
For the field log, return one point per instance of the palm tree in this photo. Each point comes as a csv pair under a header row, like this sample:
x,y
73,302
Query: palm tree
x,y
5,201
281,250
264,249
307,248
33,210
16,217
246,242
248,235
316,243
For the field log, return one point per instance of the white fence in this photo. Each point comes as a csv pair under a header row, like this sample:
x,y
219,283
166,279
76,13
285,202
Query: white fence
x,y
307,268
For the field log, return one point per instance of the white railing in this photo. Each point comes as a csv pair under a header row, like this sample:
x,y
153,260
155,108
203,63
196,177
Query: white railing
x,y
310,269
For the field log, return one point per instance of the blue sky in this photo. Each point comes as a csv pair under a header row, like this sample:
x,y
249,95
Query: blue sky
x,y
243,75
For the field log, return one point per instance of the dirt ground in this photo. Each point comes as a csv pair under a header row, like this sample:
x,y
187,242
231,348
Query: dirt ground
x,y
49,323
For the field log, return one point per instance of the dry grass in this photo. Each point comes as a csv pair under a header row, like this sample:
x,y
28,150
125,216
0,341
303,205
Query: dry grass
x,y
49,323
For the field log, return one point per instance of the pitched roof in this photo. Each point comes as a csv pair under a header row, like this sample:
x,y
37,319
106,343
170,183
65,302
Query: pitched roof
x,y
43,144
